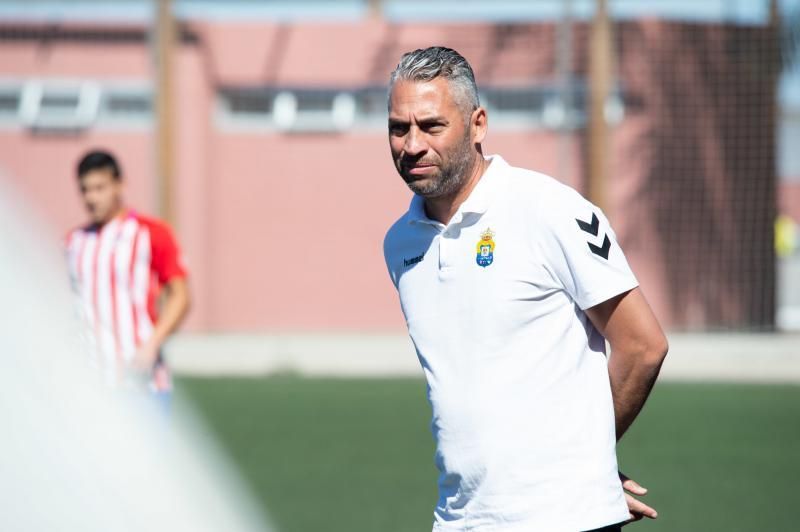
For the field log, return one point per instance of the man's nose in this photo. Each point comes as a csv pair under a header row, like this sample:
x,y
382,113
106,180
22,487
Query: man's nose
x,y
415,143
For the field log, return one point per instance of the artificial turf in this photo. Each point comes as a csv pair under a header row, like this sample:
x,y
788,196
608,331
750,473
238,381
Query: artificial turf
x,y
354,455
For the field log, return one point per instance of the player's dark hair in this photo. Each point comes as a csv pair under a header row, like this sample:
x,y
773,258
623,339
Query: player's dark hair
x,y
99,160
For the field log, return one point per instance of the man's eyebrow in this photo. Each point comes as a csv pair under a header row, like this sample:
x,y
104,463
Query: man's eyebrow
x,y
433,119
436,119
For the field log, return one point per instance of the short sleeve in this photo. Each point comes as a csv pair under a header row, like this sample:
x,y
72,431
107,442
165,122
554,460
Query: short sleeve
x,y
582,250
167,262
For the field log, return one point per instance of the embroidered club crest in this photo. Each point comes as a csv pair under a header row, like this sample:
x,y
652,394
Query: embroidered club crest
x,y
485,249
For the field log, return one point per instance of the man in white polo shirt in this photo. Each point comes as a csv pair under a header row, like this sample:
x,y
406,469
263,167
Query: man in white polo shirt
x,y
510,283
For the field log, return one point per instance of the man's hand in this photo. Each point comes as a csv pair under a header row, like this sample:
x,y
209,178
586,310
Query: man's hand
x,y
176,304
146,356
636,508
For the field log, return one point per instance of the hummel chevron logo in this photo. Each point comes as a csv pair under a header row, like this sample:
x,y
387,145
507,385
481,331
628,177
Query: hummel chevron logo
x,y
601,251
592,228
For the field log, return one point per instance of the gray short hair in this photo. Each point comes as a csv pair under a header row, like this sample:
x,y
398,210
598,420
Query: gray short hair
x,y
437,61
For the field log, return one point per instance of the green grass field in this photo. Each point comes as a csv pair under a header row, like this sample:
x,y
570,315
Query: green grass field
x,y
336,455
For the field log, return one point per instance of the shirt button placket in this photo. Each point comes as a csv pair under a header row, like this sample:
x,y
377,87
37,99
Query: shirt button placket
x,y
445,253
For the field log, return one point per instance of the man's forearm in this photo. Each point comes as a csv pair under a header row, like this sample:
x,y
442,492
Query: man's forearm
x,y
638,347
632,378
174,310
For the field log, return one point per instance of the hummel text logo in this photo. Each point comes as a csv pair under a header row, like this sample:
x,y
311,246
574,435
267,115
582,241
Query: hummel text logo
x,y
413,260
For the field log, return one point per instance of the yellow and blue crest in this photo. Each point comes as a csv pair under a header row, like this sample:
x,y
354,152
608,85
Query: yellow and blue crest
x,y
485,249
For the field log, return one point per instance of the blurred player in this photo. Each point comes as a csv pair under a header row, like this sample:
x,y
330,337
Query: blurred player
x,y
119,263
509,282
76,457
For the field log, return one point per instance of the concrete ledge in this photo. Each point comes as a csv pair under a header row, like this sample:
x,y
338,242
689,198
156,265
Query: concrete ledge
x,y
307,354
734,357
758,357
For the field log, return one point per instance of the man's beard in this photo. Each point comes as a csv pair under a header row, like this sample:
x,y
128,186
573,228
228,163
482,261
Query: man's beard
x,y
450,178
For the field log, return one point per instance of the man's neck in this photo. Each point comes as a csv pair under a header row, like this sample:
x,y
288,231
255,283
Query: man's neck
x,y
442,209
118,213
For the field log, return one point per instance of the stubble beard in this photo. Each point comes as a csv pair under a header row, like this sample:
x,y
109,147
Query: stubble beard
x,y
450,178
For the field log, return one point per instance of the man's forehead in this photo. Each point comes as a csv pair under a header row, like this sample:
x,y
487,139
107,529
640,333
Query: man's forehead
x,y
434,95
98,175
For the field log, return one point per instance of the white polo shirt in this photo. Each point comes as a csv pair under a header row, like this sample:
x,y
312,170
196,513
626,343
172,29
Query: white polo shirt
x,y
517,375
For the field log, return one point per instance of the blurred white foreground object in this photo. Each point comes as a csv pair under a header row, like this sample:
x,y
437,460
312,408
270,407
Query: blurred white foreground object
x,y
73,455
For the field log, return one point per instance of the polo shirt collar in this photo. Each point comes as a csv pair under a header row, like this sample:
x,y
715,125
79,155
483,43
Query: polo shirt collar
x,y
477,203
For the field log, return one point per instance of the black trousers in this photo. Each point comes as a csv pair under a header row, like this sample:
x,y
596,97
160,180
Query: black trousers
x,y
609,528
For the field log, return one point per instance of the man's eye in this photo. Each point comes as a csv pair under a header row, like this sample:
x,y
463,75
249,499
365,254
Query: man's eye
x,y
398,129
434,128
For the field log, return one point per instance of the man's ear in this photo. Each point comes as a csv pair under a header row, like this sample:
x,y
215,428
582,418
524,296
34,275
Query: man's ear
x,y
479,124
122,188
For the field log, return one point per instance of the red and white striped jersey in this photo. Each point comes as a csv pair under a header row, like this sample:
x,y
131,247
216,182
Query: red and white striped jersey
x,y
117,272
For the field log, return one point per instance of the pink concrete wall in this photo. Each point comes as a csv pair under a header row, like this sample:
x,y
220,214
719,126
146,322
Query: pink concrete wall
x,y
789,198
298,221
193,158
281,232
74,60
284,231
42,166
297,229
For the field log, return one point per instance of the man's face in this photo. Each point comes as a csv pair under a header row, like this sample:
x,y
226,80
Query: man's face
x,y
101,193
431,143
